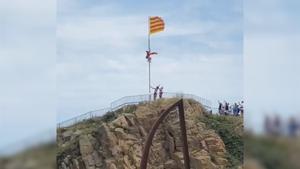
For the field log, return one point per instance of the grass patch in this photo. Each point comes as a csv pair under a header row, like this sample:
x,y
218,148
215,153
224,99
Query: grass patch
x,y
110,116
274,152
230,129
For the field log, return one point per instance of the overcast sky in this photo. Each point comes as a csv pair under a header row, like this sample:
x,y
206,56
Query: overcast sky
x,y
271,60
27,71
101,51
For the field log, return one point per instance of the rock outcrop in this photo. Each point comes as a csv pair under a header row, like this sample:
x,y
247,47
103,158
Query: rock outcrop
x,y
118,144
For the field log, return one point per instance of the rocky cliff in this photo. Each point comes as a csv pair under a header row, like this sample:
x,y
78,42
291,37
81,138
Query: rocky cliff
x,y
116,140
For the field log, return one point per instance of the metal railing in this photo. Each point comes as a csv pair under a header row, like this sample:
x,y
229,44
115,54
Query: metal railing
x,y
130,100
85,116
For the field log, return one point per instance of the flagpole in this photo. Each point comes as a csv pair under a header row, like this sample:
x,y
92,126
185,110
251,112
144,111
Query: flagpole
x,y
149,63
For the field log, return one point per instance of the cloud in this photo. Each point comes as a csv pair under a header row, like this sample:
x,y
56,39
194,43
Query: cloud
x,y
101,53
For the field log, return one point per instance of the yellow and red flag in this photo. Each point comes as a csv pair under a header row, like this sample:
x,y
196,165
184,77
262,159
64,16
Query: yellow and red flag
x,y
156,24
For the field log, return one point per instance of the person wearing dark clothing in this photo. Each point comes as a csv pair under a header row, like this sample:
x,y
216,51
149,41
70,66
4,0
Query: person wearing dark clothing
x,y
226,108
161,92
235,110
242,108
220,108
155,92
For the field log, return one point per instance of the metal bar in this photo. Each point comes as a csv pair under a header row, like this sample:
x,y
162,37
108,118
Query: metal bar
x,y
149,63
183,135
163,115
148,143
149,78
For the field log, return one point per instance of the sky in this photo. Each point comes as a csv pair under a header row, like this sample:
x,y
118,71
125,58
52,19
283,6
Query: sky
x,y
27,71
101,51
271,60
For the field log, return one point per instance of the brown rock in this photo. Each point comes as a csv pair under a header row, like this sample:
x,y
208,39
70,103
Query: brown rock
x,y
119,144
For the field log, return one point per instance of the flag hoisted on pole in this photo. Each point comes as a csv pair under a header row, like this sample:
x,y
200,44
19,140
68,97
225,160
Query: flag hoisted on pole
x,y
156,24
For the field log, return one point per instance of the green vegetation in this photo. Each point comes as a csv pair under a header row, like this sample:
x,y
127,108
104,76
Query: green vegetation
x,y
71,145
110,116
40,156
274,152
230,129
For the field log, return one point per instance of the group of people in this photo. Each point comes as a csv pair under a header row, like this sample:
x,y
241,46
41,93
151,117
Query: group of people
x,y
275,126
236,109
158,90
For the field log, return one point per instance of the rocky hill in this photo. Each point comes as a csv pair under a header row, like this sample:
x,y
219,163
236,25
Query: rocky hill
x,y
116,140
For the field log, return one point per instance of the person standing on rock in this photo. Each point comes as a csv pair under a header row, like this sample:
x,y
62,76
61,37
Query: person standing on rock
x,y
220,108
242,108
235,109
226,107
155,92
161,91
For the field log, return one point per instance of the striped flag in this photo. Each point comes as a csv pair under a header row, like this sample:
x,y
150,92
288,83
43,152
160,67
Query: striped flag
x,y
156,24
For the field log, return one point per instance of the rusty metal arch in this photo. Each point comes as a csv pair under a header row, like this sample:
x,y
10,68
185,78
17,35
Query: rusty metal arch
x,y
179,105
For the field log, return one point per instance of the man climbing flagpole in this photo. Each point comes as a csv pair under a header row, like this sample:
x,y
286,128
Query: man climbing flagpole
x,y
156,24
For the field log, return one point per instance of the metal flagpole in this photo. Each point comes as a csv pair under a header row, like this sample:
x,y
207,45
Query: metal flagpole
x,y
149,61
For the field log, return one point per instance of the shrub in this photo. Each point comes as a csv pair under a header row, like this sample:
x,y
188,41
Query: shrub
x,y
230,129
